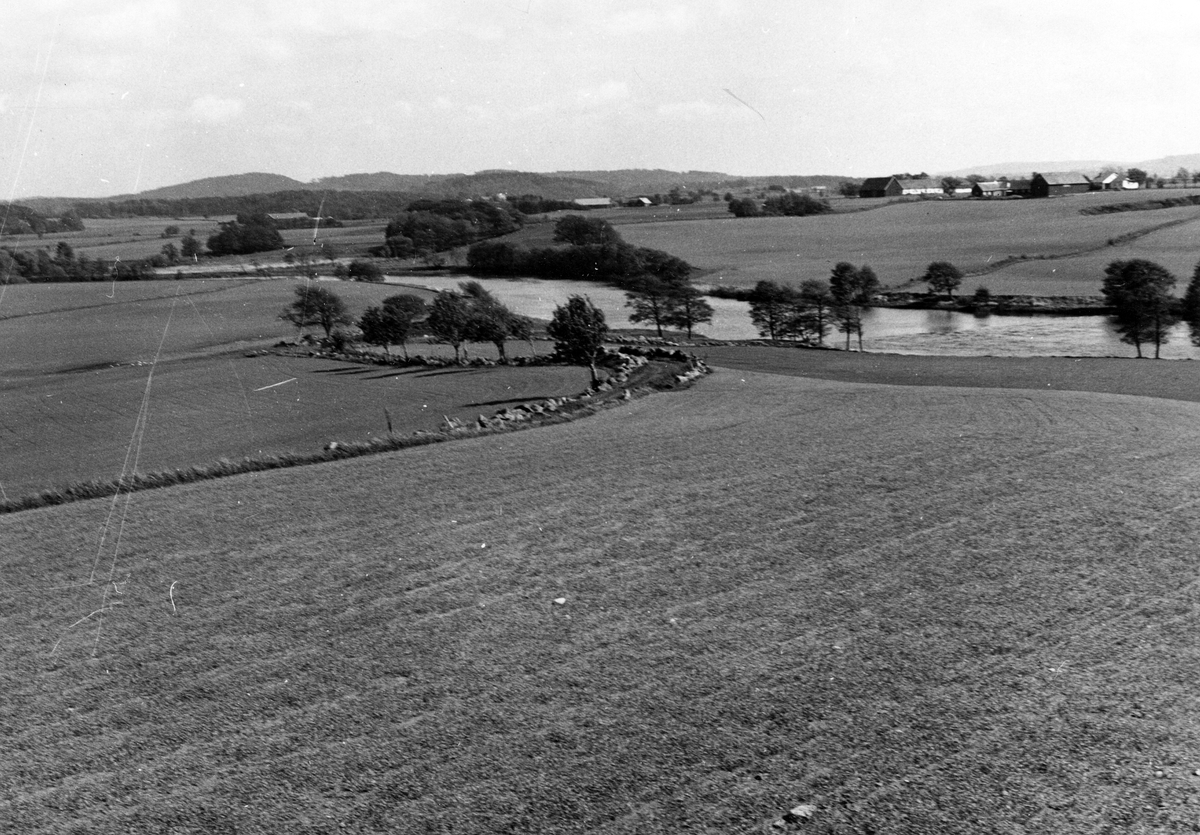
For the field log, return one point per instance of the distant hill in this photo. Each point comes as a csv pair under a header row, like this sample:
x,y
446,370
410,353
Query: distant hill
x,y
556,185
234,185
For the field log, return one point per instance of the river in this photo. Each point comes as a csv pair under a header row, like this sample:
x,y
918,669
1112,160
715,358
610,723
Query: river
x,y
925,332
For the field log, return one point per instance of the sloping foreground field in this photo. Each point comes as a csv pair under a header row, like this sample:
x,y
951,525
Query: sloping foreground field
x,y
900,241
1175,380
917,609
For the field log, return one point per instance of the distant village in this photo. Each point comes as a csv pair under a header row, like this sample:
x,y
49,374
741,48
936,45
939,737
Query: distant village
x,y
1051,184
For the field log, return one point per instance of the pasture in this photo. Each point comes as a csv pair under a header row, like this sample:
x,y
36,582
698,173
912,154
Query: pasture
x,y
976,615
900,240
137,238
78,363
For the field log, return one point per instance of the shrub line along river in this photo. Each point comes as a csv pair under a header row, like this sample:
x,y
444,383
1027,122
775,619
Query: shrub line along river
x,y
885,330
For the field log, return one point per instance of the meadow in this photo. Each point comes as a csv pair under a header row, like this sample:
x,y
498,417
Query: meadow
x,y
78,363
137,238
689,613
900,240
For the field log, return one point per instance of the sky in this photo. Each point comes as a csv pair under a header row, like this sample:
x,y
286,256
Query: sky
x,y
104,97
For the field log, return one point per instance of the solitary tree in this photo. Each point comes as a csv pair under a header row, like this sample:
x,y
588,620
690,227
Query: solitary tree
x,y
852,290
1191,306
363,270
190,246
770,308
490,320
578,330
943,277
1139,292
391,322
652,300
316,306
690,308
814,310
449,320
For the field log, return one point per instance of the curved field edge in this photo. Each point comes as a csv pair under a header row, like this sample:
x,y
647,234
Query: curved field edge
x,y
654,377
921,610
1165,379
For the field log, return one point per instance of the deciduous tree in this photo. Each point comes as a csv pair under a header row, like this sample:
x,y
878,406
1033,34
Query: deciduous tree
x,y
770,308
652,300
1139,293
943,277
578,330
449,320
690,308
316,306
852,290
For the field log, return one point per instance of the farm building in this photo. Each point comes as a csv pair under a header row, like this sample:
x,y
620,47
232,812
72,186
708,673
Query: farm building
x,y
926,186
880,187
990,188
1020,188
1115,181
1057,183
592,202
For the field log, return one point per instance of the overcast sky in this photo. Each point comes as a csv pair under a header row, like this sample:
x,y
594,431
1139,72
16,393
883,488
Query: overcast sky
x,y
104,97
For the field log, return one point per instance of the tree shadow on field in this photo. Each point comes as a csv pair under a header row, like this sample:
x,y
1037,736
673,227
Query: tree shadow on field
x,y
441,372
526,399
342,371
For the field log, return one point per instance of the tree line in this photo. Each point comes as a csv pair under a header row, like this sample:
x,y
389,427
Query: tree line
x,y
429,226
789,204
593,251
809,312
453,317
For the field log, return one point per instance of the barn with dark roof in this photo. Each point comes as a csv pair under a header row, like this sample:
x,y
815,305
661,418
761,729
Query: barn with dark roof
x,y
1057,183
880,187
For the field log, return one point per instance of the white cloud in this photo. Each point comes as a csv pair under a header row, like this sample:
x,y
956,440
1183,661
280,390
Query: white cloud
x,y
610,91
214,109
696,109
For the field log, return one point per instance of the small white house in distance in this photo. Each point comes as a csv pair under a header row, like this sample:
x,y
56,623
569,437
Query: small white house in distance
x,y
593,202
1114,181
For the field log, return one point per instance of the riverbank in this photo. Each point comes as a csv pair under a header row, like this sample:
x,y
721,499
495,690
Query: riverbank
x,y
1009,304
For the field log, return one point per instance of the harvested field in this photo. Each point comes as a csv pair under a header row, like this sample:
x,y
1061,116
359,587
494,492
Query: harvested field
x,y
929,609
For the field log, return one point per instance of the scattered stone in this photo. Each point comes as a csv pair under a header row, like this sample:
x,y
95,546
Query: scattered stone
x,y
331,446
560,601
801,813
625,395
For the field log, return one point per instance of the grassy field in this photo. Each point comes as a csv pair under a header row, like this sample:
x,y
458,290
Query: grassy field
x,y
899,241
919,609
77,365
141,237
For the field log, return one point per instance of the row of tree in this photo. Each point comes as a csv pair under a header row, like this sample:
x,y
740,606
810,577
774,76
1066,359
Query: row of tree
x,y
429,226
593,251
808,313
454,317
789,204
